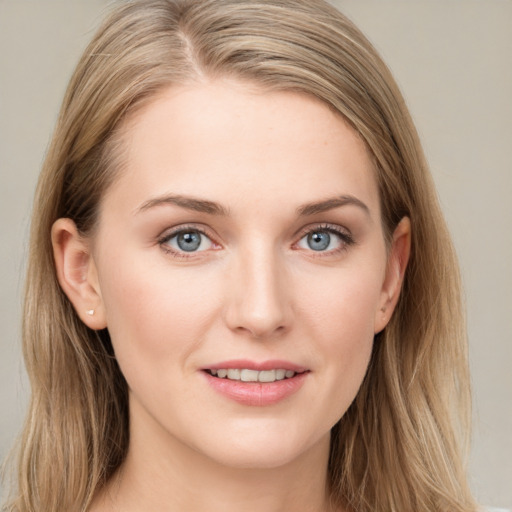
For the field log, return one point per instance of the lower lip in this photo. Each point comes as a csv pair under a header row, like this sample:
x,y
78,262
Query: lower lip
x,y
257,393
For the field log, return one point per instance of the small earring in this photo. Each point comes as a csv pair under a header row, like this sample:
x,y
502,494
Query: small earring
x,y
90,312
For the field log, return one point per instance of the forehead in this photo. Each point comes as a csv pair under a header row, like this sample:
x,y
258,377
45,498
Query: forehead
x,y
228,140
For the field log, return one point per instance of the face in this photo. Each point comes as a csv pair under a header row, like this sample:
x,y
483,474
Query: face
x,y
241,269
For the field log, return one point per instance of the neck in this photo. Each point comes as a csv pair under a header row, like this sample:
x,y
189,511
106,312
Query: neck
x,y
161,473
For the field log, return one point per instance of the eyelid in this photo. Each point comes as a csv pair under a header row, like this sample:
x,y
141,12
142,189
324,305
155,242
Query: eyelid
x,y
324,226
170,233
345,236
342,232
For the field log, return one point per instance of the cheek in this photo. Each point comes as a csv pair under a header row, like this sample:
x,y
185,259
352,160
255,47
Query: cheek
x,y
155,315
341,316
344,307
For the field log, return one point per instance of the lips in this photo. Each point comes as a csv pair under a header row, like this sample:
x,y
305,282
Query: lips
x,y
256,384
247,375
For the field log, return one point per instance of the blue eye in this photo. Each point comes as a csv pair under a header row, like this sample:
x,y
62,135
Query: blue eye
x,y
324,240
318,241
188,241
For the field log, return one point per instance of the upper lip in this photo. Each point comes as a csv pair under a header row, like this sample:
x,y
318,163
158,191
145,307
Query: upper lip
x,y
273,364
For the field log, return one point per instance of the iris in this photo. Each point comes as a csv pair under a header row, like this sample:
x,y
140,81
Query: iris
x,y
188,241
319,240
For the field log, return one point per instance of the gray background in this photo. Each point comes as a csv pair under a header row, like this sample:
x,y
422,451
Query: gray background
x,y
453,60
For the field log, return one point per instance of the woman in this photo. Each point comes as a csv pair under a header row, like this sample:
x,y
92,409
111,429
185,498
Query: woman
x,y
241,291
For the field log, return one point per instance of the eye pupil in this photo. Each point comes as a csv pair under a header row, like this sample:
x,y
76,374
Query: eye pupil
x,y
319,240
189,241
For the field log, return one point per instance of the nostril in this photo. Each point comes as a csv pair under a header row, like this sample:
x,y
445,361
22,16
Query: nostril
x,y
261,332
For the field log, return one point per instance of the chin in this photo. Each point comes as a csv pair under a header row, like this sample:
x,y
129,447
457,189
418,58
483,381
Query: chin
x,y
255,459
264,447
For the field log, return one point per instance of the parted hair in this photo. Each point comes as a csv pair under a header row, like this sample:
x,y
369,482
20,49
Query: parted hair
x,y
402,444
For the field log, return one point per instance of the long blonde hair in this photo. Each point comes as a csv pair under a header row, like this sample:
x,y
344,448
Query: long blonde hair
x,y
401,446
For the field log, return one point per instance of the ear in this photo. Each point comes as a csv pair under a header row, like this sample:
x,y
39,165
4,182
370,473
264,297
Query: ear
x,y
77,274
395,271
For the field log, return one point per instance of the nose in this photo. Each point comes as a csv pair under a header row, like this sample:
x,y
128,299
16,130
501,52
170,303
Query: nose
x,y
258,292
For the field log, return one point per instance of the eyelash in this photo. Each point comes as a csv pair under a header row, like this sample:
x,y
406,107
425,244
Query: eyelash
x,y
345,237
164,240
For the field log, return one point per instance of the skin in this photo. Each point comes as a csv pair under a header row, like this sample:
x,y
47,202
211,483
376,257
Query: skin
x,y
255,290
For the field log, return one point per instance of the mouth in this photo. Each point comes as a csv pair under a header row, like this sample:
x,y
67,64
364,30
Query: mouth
x,y
256,384
248,375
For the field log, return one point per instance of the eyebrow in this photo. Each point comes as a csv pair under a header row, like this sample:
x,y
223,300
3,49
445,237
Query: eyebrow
x,y
213,208
330,204
190,203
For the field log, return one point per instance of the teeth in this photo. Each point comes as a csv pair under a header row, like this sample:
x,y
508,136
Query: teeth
x,y
267,376
249,375
246,375
280,374
233,374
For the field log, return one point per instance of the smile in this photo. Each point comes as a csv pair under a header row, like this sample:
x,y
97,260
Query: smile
x,y
256,383
247,375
